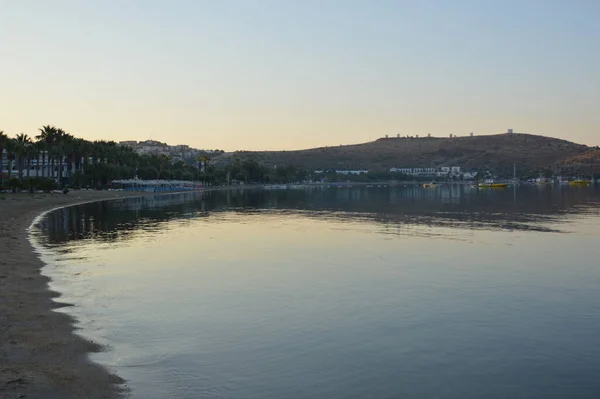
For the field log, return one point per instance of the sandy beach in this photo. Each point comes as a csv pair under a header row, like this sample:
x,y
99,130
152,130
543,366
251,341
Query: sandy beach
x,y
40,356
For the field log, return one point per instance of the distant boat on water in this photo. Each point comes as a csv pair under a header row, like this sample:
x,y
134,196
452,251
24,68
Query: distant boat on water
x,y
579,183
490,183
429,185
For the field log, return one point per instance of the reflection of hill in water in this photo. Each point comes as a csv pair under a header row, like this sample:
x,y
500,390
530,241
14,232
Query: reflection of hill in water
x,y
527,208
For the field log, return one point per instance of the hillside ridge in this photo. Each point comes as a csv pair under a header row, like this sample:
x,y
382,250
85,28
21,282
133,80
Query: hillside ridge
x,y
497,151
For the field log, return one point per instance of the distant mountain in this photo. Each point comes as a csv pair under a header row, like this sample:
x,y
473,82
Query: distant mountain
x,y
494,152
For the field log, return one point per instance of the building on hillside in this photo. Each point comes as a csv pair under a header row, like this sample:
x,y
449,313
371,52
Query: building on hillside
x,y
450,169
414,171
404,171
351,172
444,171
453,171
175,152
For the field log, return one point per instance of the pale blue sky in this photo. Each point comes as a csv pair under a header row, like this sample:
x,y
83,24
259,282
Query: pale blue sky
x,y
295,74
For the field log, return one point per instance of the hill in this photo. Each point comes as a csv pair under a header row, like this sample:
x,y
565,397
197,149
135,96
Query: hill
x,y
585,163
493,152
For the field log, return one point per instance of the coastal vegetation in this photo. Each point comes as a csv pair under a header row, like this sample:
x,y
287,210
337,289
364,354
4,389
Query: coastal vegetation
x,y
53,158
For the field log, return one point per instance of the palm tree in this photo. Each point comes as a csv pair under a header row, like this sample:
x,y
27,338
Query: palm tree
x,y
163,162
48,137
86,151
99,151
22,142
79,154
59,144
203,162
9,146
32,153
42,148
68,147
40,152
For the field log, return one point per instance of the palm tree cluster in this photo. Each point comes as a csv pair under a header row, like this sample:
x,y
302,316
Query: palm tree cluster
x,y
59,158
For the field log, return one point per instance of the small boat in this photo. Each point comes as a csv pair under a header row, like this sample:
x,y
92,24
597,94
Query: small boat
x,y
579,183
492,184
429,185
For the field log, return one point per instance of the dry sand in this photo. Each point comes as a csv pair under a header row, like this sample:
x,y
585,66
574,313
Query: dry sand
x,y
40,356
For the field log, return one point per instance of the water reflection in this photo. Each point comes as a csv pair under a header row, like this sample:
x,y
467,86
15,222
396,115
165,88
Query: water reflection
x,y
338,292
526,208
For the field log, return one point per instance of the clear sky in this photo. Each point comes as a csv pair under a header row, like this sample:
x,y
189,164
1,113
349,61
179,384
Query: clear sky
x,y
283,74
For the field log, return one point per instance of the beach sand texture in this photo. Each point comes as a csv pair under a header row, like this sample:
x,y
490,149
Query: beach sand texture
x,y
40,356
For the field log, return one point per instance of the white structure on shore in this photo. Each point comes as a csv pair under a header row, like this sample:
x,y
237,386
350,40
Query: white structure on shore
x,y
36,167
452,170
444,171
344,171
414,171
351,172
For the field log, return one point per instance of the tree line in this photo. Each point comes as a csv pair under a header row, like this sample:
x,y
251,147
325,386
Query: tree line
x,y
54,158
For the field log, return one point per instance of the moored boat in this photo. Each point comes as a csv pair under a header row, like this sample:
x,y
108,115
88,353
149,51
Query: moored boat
x,y
581,183
492,184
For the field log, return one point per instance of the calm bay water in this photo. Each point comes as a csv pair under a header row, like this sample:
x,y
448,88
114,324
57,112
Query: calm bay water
x,y
389,292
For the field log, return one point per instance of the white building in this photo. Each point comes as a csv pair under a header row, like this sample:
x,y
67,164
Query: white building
x,y
414,171
38,167
453,171
351,172
404,171
449,170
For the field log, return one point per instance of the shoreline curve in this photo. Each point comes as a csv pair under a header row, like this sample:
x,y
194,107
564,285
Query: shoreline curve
x,y
41,355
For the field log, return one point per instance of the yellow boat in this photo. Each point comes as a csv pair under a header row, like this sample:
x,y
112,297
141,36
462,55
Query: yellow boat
x,y
429,185
579,183
492,184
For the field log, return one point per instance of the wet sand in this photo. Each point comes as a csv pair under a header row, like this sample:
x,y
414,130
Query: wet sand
x,y
40,356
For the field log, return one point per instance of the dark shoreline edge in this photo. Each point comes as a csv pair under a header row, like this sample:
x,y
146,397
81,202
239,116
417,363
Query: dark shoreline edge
x,y
119,384
41,353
